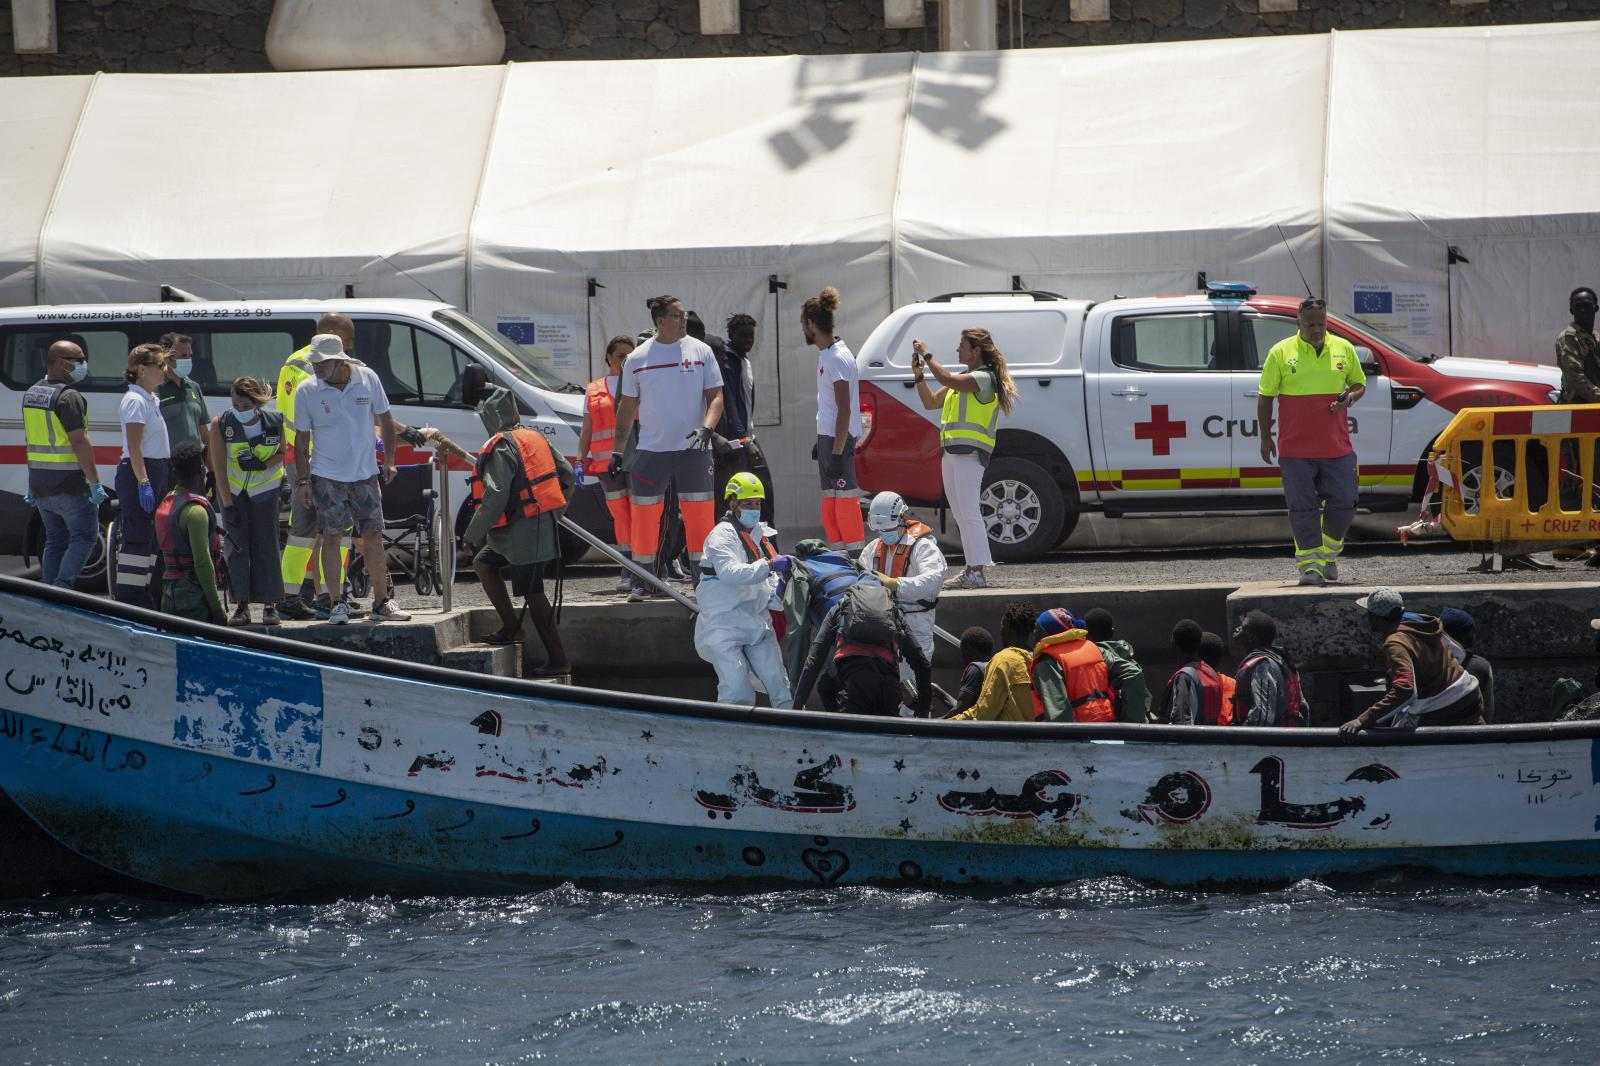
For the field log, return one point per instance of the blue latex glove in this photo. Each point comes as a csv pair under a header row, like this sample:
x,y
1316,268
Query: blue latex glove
x,y
147,497
98,494
781,564
577,472
27,498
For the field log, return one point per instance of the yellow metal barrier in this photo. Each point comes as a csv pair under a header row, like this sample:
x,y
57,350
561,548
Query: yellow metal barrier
x,y
1519,474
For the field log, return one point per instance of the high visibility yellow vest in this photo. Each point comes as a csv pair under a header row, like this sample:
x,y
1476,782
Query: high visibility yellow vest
x,y
968,420
50,455
246,457
295,370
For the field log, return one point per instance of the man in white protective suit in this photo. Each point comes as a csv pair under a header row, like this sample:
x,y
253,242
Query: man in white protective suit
x,y
739,586
906,558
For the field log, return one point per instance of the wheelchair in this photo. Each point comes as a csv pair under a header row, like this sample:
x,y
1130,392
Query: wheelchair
x,y
413,532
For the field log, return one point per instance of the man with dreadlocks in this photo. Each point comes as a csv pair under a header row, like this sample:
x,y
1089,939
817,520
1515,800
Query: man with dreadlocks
x,y
838,424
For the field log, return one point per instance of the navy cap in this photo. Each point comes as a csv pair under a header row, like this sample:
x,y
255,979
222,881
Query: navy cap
x,y
1457,623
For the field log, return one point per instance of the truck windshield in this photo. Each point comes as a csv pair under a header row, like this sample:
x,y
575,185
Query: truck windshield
x,y
511,357
1377,336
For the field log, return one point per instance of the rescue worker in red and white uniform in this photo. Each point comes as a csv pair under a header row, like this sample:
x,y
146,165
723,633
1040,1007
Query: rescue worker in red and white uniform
x,y
739,582
520,487
906,558
598,438
1070,680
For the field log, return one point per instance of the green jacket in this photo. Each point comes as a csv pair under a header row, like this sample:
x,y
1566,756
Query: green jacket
x,y
527,540
1127,681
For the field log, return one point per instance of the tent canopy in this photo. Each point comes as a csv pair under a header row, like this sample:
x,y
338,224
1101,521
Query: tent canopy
x,y
38,117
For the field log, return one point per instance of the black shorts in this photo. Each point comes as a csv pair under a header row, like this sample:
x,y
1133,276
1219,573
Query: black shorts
x,y
527,579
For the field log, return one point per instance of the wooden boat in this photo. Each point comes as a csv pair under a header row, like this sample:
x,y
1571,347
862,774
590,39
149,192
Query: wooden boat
x,y
229,764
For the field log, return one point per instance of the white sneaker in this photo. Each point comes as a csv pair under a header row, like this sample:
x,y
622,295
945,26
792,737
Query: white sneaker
x,y
389,611
340,615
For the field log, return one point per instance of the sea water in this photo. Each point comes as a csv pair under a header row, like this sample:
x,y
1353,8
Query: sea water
x,y
1394,969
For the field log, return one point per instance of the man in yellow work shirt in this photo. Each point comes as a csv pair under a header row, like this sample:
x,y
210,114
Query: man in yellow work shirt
x,y
1315,377
297,548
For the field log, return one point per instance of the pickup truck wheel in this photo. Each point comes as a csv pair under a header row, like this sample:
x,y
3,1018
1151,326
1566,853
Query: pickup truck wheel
x,y
1022,509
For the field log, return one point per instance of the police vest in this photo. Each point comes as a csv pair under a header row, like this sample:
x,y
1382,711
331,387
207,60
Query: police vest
x,y
51,460
1083,669
248,473
893,560
175,554
968,420
295,370
602,426
1210,692
536,489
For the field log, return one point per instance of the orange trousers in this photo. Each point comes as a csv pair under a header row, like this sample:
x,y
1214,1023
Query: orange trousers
x,y
841,497
648,481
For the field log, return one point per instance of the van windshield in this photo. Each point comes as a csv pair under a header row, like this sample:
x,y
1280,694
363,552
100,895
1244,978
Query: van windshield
x,y
511,357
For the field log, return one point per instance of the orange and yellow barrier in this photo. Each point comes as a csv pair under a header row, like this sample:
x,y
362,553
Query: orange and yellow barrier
x,y
1510,474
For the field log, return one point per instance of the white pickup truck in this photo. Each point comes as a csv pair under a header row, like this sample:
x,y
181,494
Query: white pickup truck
x,y
1147,406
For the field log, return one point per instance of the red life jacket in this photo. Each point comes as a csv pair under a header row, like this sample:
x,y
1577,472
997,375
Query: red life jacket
x,y
175,555
1084,670
1210,693
537,489
893,560
1293,716
602,426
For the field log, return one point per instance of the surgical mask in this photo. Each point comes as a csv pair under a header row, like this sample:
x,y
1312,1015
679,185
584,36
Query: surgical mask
x,y
750,519
184,366
890,536
79,371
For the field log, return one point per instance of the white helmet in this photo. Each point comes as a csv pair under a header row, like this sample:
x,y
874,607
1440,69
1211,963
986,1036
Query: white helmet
x,y
886,511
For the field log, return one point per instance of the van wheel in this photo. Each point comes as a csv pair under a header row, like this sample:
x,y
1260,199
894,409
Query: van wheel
x,y
1022,510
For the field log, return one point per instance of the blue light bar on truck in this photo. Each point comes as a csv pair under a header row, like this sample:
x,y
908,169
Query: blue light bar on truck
x,y
1230,290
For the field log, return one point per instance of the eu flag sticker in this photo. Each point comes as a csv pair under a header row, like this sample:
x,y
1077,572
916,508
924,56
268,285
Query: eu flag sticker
x,y
518,332
1374,302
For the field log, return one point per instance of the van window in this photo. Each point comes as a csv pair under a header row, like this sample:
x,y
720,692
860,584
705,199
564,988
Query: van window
x,y
26,349
415,366
1166,343
223,355
1261,333
1032,337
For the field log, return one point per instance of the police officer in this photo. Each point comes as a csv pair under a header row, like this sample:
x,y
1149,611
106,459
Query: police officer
x,y
1578,350
63,483
183,405
247,464
1315,377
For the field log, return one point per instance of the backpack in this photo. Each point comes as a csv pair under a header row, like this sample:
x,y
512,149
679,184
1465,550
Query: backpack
x,y
868,615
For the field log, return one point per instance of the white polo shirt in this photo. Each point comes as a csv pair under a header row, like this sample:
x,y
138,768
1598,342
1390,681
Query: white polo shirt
x,y
141,407
340,423
670,382
837,363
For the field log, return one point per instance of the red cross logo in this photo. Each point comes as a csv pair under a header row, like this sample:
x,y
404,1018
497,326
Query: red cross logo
x,y
1160,430
1529,524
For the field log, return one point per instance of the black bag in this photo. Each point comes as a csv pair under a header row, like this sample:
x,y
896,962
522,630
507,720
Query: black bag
x,y
868,615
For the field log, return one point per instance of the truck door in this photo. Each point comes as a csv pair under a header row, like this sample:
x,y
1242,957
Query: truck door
x,y
1370,419
1164,396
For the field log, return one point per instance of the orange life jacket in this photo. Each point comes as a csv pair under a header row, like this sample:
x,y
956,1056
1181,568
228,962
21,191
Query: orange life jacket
x,y
1084,669
537,490
175,554
893,560
1229,685
602,426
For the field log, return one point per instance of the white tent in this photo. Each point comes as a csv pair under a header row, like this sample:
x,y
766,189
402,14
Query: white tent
x,y
1097,171
38,117
1485,139
717,176
270,185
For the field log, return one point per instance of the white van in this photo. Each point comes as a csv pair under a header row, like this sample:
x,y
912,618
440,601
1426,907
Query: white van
x,y
419,349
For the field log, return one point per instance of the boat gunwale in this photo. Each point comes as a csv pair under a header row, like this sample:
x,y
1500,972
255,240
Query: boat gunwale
x,y
819,721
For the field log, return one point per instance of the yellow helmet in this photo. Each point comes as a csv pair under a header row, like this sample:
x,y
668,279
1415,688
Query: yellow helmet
x,y
744,486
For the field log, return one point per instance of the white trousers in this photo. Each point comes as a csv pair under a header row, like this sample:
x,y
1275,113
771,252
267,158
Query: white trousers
x,y
963,480
735,658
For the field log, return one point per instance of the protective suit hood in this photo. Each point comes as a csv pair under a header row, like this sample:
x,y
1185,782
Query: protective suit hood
x,y
498,411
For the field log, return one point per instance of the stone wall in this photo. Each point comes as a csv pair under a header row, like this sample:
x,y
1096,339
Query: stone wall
x,y
181,36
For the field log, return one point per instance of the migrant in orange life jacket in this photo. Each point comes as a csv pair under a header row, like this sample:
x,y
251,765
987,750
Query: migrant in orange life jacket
x,y
602,426
538,490
898,556
1084,670
175,554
